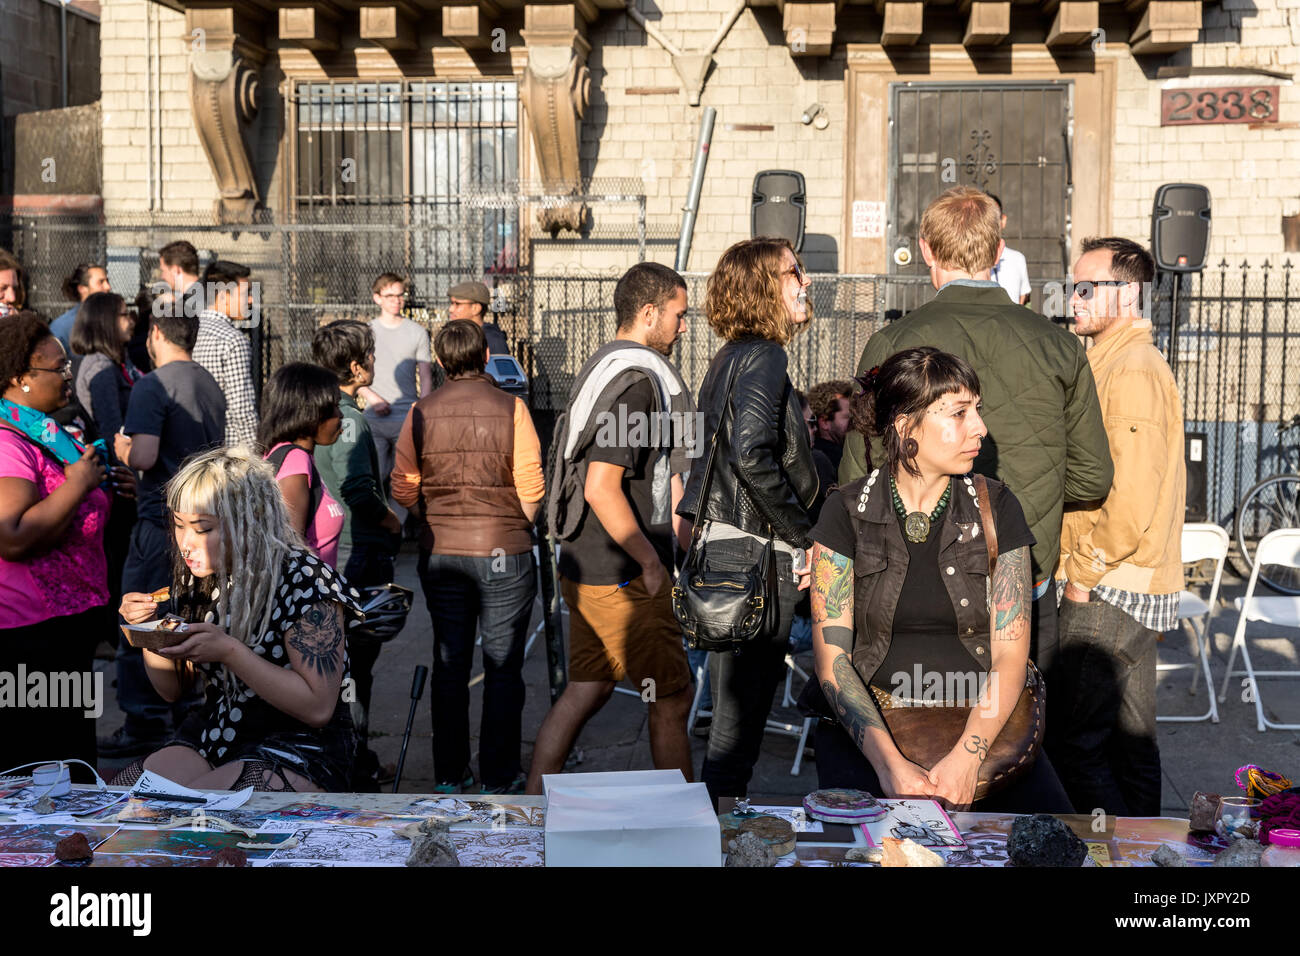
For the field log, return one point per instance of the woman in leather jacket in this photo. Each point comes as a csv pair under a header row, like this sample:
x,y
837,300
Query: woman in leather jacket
x,y
904,611
763,483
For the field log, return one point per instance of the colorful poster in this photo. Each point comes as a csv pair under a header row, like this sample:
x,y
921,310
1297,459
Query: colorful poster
x,y
198,844
43,837
26,859
482,813
297,816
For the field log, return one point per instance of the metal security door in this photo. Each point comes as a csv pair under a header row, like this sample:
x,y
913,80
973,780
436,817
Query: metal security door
x,y
1012,140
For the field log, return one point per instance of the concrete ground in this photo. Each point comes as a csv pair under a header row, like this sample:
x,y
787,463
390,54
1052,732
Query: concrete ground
x,y
1195,756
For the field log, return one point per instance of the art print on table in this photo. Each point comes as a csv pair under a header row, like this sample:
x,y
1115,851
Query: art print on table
x,y
358,846
77,801
982,849
513,847
797,817
143,859
297,816
922,821
200,844
482,813
43,837
26,859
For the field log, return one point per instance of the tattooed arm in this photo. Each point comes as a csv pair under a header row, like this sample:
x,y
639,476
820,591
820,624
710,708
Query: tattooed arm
x,y
957,773
307,690
849,699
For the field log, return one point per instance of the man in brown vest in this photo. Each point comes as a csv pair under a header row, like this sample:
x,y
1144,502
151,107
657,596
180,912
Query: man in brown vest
x,y
469,462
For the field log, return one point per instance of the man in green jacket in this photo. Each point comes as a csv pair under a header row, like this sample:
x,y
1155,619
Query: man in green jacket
x,y
370,537
1046,439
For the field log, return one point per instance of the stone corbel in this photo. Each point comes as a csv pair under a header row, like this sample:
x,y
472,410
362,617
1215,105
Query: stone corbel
x,y
987,23
809,27
555,90
224,99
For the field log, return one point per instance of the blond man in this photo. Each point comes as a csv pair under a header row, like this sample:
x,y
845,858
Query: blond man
x,y
1046,438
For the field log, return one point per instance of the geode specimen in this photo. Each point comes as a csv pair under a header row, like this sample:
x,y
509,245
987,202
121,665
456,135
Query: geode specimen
x,y
75,847
1201,814
749,850
1241,853
897,852
432,846
1168,856
1043,840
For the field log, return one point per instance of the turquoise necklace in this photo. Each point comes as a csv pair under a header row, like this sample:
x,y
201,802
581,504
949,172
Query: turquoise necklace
x,y
916,524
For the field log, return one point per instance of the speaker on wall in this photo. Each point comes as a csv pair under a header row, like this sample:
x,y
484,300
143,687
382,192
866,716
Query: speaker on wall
x,y
779,206
1180,227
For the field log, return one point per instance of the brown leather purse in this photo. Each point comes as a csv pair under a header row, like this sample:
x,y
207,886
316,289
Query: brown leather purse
x,y
927,734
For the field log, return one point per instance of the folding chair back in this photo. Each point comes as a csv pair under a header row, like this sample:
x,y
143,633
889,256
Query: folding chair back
x,y
1203,541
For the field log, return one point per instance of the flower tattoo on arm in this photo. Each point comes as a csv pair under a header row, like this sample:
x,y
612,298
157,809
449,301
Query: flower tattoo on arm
x,y
1011,595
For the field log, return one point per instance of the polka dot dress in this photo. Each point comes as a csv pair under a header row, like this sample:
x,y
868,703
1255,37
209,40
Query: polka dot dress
x,y
232,722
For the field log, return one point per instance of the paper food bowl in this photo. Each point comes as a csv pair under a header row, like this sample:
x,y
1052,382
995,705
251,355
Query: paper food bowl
x,y
148,635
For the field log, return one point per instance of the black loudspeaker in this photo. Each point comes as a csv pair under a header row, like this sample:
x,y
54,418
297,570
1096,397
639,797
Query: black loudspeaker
x,y
778,208
1194,450
1180,227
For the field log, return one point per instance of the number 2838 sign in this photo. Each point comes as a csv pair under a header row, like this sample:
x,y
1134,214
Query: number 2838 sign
x,y
1219,104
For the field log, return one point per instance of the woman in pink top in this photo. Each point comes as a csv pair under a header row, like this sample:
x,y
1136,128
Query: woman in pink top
x,y
300,410
53,579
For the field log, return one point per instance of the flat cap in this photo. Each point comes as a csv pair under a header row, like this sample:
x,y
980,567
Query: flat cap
x,y
471,292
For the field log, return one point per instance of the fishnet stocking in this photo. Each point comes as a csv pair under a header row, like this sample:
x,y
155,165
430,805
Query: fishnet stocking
x,y
128,775
260,775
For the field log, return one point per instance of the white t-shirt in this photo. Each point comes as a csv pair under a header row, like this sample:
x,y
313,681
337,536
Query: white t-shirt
x,y
1012,273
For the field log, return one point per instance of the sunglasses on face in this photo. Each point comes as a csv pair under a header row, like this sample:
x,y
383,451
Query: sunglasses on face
x,y
797,271
1086,289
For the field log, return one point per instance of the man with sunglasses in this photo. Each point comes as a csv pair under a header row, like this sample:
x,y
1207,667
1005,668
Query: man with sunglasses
x,y
1046,439
1121,568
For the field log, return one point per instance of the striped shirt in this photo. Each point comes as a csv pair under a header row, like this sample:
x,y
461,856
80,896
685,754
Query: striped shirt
x,y
1158,612
224,351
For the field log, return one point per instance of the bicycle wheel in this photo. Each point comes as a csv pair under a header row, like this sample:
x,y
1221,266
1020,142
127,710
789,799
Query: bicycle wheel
x,y
1272,504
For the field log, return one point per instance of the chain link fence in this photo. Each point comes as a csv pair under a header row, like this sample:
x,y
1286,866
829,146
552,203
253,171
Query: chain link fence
x,y
1237,358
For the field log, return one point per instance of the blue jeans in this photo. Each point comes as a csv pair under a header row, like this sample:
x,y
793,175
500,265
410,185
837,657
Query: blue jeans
x,y
493,595
148,568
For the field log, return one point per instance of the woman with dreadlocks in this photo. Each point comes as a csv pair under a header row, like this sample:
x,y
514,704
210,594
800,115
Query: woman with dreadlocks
x,y
267,623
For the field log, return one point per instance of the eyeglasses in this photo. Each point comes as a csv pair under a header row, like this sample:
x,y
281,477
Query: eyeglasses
x,y
64,369
1087,288
812,422
394,295
796,270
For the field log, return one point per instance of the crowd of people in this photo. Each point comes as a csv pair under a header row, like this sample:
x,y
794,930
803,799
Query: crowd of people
x,y
991,507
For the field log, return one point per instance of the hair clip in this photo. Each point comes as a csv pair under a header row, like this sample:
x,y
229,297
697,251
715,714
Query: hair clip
x,y
868,379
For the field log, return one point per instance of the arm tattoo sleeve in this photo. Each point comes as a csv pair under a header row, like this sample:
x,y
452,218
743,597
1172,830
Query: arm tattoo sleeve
x,y
832,582
1010,594
318,637
851,701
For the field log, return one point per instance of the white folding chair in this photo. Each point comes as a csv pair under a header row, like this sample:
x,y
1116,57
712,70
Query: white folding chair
x,y
1277,548
1201,542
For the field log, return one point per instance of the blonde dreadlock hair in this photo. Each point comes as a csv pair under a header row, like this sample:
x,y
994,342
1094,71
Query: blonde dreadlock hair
x,y
240,491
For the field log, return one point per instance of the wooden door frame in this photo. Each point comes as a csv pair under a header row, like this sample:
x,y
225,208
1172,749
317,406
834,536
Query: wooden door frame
x,y
871,70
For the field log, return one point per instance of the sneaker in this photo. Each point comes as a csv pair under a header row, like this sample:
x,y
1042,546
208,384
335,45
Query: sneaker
x,y
463,787
122,743
514,786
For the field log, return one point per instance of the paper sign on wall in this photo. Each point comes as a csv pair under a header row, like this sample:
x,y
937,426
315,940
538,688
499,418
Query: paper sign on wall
x,y
868,219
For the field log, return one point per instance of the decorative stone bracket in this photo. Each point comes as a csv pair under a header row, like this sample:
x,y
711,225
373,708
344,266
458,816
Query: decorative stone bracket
x,y
224,101
555,91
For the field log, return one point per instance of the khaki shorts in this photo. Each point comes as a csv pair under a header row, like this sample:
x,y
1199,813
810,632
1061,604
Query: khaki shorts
x,y
625,633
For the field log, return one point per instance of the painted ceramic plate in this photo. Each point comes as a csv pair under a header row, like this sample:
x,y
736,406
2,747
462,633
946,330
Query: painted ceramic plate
x,y
843,806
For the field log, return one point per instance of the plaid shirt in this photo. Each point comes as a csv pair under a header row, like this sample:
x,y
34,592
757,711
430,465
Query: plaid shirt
x,y
224,351
1159,612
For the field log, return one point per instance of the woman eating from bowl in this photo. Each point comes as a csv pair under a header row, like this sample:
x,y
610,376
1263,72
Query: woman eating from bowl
x,y
266,629
906,621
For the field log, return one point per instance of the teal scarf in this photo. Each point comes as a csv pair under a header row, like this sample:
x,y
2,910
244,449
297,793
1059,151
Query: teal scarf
x,y
46,432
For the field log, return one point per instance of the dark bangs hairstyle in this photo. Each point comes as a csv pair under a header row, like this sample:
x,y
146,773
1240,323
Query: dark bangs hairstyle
x,y
337,345
95,328
297,400
907,383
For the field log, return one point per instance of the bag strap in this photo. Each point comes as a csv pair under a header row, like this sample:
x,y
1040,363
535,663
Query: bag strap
x,y
986,518
315,486
698,527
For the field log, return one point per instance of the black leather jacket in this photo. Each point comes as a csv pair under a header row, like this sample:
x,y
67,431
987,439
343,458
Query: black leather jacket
x,y
763,477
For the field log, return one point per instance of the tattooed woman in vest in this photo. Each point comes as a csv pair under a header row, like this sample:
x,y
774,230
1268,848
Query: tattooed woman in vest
x,y
265,628
903,610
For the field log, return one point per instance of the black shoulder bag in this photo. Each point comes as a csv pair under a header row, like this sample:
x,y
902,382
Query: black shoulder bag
x,y
723,610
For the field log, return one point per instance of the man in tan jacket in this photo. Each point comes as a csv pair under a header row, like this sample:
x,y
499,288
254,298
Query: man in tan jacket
x,y
1121,565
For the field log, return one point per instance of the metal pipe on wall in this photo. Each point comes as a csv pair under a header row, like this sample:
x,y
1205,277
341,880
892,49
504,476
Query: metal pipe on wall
x,y
63,53
148,61
697,184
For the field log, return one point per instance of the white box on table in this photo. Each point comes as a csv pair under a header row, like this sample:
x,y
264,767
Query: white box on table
x,y
612,778
639,825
